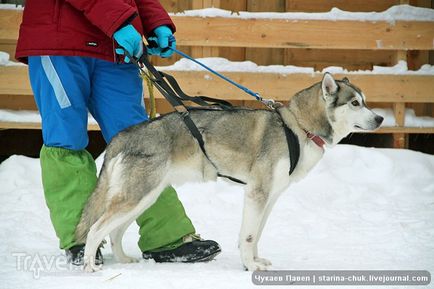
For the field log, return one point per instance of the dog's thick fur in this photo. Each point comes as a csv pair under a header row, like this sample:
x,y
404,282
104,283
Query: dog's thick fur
x,y
247,144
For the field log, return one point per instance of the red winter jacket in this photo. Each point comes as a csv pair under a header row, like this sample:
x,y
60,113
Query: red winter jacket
x,y
83,27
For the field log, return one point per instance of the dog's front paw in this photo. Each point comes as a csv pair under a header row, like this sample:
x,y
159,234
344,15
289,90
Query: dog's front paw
x,y
89,266
263,261
256,265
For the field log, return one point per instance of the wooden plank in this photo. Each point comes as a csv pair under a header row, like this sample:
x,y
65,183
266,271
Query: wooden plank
x,y
405,130
17,101
94,127
233,53
14,80
176,5
377,87
198,52
278,33
34,125
400,139
265,56
399,112
10,21
9,48
348,59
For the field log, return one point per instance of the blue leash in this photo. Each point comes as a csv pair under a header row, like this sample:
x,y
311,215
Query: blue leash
x,y
245,89
268,102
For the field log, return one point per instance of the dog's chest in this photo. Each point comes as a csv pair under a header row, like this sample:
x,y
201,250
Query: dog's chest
x,y
309,157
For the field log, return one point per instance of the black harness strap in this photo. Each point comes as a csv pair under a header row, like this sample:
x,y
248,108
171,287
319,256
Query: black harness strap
x,y
293,145
200,100
175,96
175,99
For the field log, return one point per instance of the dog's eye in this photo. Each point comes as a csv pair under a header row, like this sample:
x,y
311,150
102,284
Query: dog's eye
x,y
355,103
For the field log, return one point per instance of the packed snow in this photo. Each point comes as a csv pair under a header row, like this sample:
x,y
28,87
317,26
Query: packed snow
x,y
11,7
8,115
394,13
360,208
225,65
5,60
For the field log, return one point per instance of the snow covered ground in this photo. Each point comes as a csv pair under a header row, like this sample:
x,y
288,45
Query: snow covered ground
x,y
225,65
360,208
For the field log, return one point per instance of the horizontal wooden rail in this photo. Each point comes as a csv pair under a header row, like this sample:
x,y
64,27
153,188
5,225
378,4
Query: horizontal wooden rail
x,y
94,127
321,34
281,33
33,125
376,87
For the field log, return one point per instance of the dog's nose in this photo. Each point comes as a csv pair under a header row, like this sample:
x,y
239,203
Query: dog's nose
x,y
379,119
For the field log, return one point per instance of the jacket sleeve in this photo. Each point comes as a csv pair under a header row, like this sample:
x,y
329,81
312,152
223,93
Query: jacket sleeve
x,y
107,15
152,15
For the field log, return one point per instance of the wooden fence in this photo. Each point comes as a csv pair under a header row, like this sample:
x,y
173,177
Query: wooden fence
x,y
351,44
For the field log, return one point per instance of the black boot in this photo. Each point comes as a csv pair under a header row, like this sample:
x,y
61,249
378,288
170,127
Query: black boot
x,y
194,249
75,255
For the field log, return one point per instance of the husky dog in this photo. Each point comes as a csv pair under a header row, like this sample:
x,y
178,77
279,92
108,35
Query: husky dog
x,y
246,144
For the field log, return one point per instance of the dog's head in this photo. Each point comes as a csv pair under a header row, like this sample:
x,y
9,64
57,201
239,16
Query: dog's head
x,y
346,107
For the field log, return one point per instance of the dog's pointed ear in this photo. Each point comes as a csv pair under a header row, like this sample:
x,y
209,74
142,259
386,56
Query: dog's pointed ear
x,y
328,85
346,80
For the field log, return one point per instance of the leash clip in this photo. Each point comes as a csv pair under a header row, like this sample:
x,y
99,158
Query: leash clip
x,y
271,103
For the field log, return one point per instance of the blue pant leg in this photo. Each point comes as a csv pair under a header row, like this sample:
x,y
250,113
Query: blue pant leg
x,y
117,97
61,88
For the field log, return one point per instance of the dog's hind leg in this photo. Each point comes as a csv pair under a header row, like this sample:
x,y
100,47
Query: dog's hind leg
x,y
120,213
116,242
105,224
255,204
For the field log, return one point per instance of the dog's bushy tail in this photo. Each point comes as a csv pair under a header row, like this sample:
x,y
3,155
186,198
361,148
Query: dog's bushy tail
x,y
94,208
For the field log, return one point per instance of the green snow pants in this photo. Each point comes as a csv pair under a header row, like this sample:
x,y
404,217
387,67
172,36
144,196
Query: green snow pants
x,y
69,177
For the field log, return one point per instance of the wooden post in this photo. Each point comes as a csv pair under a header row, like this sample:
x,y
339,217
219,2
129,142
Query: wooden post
x,y
400,140
200,51
265,56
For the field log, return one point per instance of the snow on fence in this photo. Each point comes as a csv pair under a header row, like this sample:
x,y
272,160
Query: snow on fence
x,y
400,28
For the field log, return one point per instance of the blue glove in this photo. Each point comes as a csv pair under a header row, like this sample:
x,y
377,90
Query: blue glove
x,y
162,42
131,40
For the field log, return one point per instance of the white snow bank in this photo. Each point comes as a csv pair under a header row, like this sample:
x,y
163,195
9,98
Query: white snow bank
x,y
5,60
11,7
400,68
411,120
360,208
223,64
394,13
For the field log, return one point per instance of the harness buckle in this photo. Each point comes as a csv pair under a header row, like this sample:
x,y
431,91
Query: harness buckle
x,y
182,110
271,103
